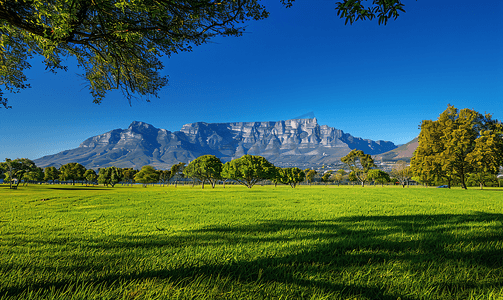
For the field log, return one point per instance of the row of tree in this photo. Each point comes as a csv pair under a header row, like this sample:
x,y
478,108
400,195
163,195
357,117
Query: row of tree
x,y
461,146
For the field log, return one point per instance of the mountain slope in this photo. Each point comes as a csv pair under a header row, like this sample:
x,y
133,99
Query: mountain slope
x,y
404,152
296,142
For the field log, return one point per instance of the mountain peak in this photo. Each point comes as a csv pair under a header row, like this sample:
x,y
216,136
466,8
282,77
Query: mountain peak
x,y
139,124
300,142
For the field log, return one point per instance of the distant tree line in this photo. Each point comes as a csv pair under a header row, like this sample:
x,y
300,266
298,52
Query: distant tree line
x,y
462,147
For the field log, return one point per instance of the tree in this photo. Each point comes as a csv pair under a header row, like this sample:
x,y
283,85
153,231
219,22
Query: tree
x,y
35,174
326,177
119,43
147,175
205,168
71,171
402,172
16,169
128,175
51,173
458,143
164,176
482,179
248,170
359,163
177,171
338,176
291,176
90,176
110,176
310,175
354,10
378,176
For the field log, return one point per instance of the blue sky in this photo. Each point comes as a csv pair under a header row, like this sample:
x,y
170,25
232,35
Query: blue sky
x,y
372,81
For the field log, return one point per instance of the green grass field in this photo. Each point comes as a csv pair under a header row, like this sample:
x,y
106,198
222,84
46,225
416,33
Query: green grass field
x,y
64,242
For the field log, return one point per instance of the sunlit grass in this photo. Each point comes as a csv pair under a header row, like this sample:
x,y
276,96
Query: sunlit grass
x,y
63,242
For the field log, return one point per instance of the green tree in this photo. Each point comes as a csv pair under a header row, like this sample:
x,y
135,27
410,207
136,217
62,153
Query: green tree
x,y
326,177
51,174
110,176
378,176
359,163
291,176
458,143
402,172
482,179
147,175
177,172
119,43
206,168
338,176
164,176
90,176
310,175
248,170
16,169
354,10
33,175
72,172
128,175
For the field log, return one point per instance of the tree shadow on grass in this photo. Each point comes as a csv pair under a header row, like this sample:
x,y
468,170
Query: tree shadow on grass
x,y
81,188
319,247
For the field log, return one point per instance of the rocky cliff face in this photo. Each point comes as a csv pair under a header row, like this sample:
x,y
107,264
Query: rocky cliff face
x,y
297,142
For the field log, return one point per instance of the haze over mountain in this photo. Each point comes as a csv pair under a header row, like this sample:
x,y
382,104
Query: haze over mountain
x,y
296,142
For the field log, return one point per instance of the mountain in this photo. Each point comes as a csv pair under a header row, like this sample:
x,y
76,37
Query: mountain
x,y
296,142
404,152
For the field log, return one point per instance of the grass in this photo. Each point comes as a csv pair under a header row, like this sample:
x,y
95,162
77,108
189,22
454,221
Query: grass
x,y
64,242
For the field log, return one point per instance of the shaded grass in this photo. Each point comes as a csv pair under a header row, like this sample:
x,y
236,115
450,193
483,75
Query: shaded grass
x,y
263,243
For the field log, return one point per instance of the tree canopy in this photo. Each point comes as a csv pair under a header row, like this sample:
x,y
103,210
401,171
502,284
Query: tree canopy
x,y
291,176
16,169
118,43
205,168
359,163
248,170
460,142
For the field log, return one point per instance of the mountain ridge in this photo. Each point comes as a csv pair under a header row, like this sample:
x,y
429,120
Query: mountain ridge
x,y
294,142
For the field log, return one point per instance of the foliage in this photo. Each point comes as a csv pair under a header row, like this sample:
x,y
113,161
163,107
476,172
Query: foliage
x,y
71,172
326,177
164,176
310,175
482,179
90,176
248,170
458,143
128,175
147,175
402,172
110,176
359,163
177,171
35,174
378,176
16,169
291,176
118,43
205,168
339,176
51,174
354,10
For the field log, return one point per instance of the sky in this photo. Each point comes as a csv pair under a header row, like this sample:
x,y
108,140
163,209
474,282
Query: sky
x,y
374,82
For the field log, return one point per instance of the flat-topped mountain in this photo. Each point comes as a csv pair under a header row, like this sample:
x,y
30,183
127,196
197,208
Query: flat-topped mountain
x,y
296,142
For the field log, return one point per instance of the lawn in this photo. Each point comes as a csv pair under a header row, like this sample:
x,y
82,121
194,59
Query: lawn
x,y
64,242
